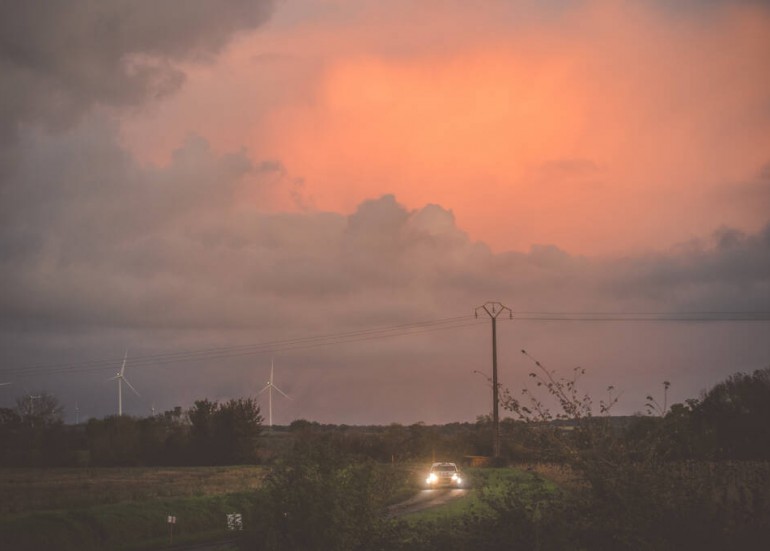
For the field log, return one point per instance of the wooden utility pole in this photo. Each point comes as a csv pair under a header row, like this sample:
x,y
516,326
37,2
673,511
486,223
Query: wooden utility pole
x,y
494,309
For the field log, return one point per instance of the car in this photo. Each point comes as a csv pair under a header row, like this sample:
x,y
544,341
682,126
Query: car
x,y
444,474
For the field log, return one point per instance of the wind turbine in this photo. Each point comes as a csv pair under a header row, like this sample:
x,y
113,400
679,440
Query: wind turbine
x,y
269,387
121,379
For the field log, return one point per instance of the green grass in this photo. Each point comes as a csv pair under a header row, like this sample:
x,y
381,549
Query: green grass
x,y
28,490
121,508
133,525
493,483
482,519
56,516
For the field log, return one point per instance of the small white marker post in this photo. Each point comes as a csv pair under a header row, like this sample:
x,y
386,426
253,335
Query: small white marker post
x,y
171,520
234,521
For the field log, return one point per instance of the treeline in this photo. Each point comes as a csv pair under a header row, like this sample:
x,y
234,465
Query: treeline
x,y
729,422
209,433
679,478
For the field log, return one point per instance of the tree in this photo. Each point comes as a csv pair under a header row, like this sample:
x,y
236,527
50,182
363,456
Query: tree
x,y
226,433
732,418
202,430
321,498
238,424
114,441
41,409
634,496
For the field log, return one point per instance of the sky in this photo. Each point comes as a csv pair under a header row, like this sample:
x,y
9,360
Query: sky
x,y
335,187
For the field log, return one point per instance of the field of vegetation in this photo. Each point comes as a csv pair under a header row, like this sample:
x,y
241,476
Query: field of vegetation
x,y
121,508
689,476
28,490
320,498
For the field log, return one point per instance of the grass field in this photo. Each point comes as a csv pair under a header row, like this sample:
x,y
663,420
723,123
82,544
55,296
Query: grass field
x,y
123,508
27,490
126,509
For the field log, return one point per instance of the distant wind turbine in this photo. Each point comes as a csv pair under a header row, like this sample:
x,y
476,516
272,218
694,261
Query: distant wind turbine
x,y
269,387
121,379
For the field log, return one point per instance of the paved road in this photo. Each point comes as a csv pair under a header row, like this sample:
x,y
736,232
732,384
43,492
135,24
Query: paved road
x,y
426,499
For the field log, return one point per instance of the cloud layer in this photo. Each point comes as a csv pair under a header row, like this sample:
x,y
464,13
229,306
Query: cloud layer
x,y
61,59
169,259
598,126
183,177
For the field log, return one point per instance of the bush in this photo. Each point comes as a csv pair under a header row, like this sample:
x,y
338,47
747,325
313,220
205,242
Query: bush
x,y
318,498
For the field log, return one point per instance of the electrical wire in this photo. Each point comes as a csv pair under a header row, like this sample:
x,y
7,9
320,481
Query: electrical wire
x,y
704,316
248,350
400,330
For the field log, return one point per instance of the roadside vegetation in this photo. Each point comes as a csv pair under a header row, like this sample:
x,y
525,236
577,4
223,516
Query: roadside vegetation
x,y
31,490
685,476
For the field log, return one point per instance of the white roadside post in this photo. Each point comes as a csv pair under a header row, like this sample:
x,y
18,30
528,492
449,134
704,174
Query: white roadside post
x,y
234,521
171,520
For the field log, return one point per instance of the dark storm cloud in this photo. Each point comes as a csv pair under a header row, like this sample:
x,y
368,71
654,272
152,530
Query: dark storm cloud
x,y
57,59
86,230
99,253
729,272
89,237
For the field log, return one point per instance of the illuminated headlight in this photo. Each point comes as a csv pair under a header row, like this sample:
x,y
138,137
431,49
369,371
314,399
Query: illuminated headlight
x,y
431,478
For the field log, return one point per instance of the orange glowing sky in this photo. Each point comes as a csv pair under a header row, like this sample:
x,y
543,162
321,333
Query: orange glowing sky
x,y
599,127
182,176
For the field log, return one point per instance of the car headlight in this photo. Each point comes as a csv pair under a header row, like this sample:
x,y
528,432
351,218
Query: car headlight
x,y
431,478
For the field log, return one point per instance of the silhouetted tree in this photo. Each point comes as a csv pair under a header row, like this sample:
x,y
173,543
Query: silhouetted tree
x,y
238,424
321,498
225,433
41,409
10,437
203,430
732,418
35,431
114,441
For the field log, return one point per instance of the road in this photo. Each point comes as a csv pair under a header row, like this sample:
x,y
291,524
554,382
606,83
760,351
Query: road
x,y
426,499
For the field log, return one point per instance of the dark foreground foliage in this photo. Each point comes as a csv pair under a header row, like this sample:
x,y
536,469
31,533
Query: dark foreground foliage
x,y
692,476
209,433
322,501
320,498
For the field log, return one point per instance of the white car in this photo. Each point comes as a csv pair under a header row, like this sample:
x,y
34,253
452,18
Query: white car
x,y
444,474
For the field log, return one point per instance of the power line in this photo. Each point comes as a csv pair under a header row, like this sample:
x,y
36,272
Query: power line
x,y
644,316
405,329
253,349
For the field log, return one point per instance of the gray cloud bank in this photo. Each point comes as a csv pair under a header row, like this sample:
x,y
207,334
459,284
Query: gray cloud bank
x,y
99,253
58,59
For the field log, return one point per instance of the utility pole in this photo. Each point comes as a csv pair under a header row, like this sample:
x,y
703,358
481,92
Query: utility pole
x,y
494,309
